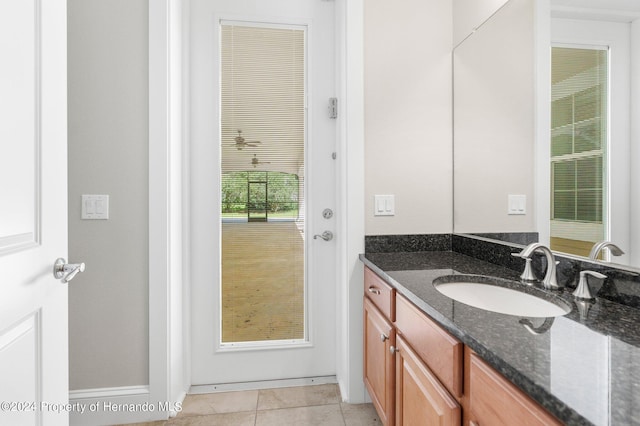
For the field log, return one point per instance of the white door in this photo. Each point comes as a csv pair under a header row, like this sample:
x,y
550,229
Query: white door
x,y
311,351
33,212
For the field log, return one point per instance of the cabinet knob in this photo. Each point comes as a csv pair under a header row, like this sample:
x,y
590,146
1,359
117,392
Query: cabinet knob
x,y
393,349
374,290
383,337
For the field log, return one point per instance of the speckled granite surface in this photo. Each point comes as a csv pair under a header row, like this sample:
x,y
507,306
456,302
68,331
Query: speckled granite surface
x,y
621,286
391,243
583,367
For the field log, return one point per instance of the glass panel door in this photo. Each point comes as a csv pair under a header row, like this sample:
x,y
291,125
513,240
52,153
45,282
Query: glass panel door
x,y
263,291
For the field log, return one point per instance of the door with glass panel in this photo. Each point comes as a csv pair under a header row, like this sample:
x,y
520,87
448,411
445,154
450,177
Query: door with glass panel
x,y
263,304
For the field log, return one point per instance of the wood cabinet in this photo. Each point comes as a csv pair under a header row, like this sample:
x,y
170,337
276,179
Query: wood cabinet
x,y
419,374
493,400
403,388
379,366
442,352
420,397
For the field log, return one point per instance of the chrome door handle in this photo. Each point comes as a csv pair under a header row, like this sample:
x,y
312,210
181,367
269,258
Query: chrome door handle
x,y
326,235
64,271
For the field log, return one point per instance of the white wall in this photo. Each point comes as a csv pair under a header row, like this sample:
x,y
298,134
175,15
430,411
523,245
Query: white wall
x,y
108,154
468,15
494,122
407,77
634,234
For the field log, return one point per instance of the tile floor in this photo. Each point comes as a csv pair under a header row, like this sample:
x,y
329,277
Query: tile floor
x,y
317,405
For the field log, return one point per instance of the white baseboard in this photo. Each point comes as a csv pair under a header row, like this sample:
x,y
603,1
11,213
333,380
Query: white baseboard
x,y
266,384
110,406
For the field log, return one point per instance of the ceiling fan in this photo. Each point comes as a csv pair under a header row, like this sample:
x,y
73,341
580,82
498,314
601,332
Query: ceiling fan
x,y
242,143
255,161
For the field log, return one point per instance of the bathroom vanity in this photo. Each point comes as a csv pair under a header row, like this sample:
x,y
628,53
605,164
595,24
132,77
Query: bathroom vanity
x,y
430,357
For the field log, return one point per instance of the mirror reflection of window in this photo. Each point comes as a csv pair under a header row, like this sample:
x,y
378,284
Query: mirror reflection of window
x,y
578,148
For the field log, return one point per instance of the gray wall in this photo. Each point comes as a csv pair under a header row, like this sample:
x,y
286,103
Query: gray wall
x,y
108,154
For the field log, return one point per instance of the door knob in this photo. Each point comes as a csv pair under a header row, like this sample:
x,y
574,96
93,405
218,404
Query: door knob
x,y
326,235
64,271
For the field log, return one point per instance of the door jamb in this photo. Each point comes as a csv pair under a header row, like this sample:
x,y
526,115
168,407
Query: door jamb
x,y
168,205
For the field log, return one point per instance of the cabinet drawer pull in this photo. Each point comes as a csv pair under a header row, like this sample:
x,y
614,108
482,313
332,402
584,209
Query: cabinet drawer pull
x,y
393,349
374,290
383,337
472,423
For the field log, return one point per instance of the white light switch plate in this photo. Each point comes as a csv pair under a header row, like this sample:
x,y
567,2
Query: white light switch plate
x,y
385,205
517,204
95,207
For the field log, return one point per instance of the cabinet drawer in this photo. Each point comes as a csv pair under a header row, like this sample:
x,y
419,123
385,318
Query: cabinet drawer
x,y
380,293
493,400
442,352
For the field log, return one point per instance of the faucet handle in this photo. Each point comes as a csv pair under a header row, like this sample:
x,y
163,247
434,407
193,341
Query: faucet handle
x,y
583,292
527,274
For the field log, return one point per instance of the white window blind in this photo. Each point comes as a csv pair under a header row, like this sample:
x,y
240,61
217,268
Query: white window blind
x,y
263,96
578,142
263,79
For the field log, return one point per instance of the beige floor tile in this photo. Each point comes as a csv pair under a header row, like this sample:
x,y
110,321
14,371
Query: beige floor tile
x,y
215,403
225,419
360,415
322,415
156,423
301,396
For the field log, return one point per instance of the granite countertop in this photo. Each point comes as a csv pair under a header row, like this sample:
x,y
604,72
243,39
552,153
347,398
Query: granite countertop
x,y
585,369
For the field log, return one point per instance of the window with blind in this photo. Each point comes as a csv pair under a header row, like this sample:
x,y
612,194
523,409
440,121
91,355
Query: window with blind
x,y
263,291
578,147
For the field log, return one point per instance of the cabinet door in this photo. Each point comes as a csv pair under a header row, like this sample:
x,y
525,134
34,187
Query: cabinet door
x,y
379,372
420,397
493,400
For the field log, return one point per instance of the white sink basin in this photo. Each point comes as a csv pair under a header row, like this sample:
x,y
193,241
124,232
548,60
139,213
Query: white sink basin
x,y
497,297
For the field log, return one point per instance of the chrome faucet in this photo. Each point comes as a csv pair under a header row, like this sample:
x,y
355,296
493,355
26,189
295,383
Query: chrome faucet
x,y
597,247
550,280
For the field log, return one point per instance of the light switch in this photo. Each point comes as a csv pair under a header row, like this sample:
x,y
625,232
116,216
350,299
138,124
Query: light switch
x,y
90,206
384,205
517,204
95,207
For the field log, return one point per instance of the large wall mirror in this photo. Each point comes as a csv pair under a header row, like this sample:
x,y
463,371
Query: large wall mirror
x,y
544,144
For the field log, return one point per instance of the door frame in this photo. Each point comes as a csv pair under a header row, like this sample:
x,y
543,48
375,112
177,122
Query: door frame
x,y
169,200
